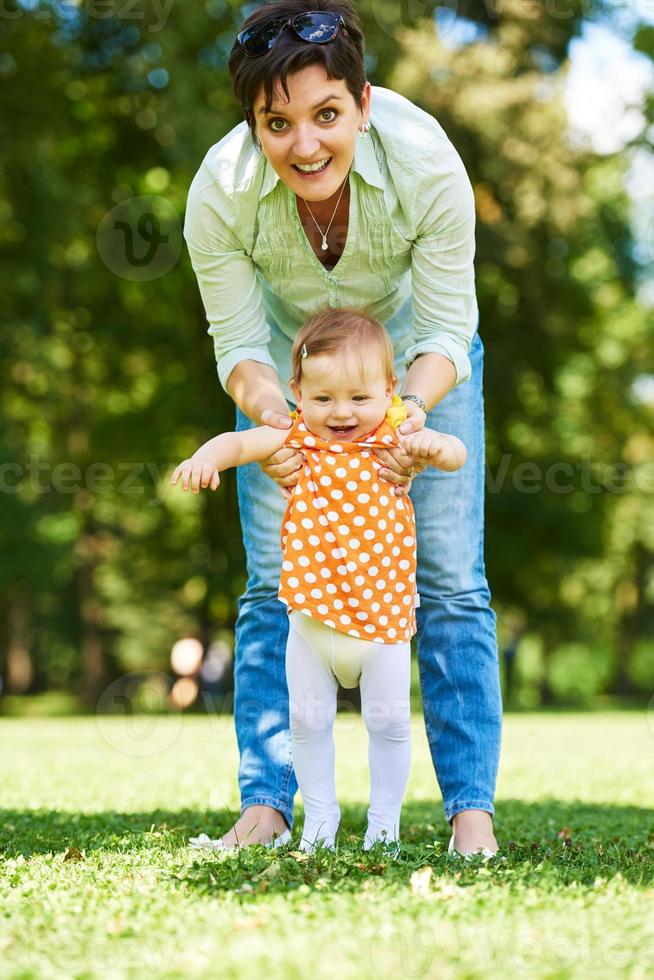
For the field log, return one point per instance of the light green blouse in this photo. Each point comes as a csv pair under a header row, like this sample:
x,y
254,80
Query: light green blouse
x,y
408,258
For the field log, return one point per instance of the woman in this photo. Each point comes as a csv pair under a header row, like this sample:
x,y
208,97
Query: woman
x,y
332,193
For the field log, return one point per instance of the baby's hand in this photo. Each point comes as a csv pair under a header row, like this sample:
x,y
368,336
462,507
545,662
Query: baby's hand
x,y
427,445
201,471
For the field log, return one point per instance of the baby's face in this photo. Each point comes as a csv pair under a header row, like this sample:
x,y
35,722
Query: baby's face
x,y
341,398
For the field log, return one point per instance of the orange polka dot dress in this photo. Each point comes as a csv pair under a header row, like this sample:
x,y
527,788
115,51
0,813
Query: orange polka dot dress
x,y
348,540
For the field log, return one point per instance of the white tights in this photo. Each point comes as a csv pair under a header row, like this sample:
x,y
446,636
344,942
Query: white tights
x,y
317,659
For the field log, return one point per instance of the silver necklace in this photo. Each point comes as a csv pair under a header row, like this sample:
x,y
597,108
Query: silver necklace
x,y
324,246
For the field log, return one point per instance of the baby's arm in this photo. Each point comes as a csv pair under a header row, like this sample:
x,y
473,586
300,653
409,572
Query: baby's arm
x,y
437,449
227,450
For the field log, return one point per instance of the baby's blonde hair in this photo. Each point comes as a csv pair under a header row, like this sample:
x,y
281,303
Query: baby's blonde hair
x,y
339,331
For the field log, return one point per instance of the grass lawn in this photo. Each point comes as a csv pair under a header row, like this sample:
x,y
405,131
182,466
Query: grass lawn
x,y
570,897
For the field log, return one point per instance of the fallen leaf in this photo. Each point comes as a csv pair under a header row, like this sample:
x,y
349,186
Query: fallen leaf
x,y
72,854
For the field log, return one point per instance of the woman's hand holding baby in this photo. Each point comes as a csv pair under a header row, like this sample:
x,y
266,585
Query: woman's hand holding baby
x,y
200,470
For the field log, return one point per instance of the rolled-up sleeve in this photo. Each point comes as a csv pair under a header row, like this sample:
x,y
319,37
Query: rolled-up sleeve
x,y
229,288
445,311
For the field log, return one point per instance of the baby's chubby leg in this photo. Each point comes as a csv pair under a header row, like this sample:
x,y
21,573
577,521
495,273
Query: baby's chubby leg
x,y
312,690
385,706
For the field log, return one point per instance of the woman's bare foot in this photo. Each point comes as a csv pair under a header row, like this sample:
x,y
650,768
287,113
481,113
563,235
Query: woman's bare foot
x,y
473,830
256,825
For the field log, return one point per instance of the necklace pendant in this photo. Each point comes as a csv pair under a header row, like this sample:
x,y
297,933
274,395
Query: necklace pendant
x,y
324,245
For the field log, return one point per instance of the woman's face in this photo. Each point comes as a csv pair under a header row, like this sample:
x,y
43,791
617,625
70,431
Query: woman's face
x,y
318,125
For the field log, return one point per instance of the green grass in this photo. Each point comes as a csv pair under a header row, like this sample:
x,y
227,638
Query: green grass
x,y
570,897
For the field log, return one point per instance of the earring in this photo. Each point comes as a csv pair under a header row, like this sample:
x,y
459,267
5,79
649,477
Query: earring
x,y
364,128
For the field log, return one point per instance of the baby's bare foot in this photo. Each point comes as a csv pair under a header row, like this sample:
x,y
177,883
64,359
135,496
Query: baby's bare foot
x,y
473,831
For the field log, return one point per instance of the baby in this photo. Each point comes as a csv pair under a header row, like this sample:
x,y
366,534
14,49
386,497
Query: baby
x,y
348,574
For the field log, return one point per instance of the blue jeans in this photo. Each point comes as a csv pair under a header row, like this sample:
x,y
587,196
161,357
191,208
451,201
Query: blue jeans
x,y
457,649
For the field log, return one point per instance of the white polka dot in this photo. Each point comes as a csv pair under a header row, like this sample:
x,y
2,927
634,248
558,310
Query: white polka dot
x,y
348,508
313,540
303,560
352,601
383,500
395,551
392,574
402,622
288,566
389,538
367,593
311,486
360,580
408,541
386,560
341,472
359,521
399,527
380,583
316,593
363,498
369,534
378,548
326,481
383,620
346,587
300,504
404,564
351,485
382,524
325,573
338,603
338,553
392,632
330,459
309,441
353,633
331,588
354,463
351,566
374,511
388,597
309,577
375,607
411,576
364,474
331,515
330,536
335,448
400,587
395,610
343,529
300,598
364,557
323,520
341,569
407,600
354,543
307,523
323,609
399,505
320,502
321,556
336,494
362,616
345,619
369,628
375,488
297,545
391,514
293,582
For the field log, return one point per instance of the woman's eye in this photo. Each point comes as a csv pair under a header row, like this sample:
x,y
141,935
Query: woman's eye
x,y
360,398
275,128
333,115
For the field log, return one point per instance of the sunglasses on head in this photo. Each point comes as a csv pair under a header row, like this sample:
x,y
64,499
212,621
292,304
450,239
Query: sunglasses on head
x,y
315,26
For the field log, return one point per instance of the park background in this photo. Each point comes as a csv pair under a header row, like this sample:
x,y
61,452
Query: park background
x,y
107,110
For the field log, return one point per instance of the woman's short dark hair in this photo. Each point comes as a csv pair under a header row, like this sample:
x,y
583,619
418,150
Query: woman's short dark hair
x,y
342,57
